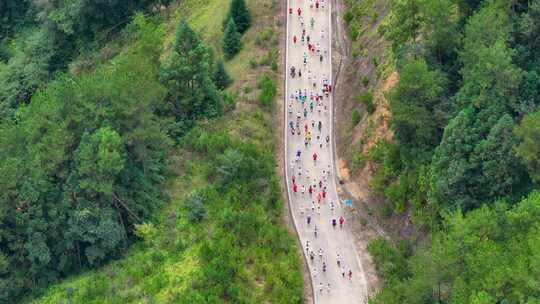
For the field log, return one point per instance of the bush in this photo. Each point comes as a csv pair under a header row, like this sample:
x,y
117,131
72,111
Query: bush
x,y
355,117
348,17
268,90
354,32
367,100
195,208
374,17
358,160
396,194
390,261
365,81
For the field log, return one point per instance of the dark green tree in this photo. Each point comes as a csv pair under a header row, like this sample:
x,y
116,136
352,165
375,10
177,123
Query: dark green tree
x,y
528,149
12,14
440,27
221,77
484,256
405,24
239,12
475,162
415,102
187,75
83,162
232,40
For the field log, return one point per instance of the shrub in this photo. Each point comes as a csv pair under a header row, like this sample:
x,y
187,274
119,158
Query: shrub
x,y
365,81
374,17
354,32
358,160
355,117
348,17
268,90
389,260
367,100
195,208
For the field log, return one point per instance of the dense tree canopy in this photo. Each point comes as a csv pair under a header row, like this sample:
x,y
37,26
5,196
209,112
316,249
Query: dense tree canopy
x,y
63,29
416,102
488,256
529,147
486,111
81,163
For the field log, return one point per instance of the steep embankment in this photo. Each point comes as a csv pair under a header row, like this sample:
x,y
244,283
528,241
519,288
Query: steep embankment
x,y
366,74
220,238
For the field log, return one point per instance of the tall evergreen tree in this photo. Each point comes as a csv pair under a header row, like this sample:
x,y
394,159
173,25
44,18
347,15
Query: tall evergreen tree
x,y
231,40
239,12
187,75
221,77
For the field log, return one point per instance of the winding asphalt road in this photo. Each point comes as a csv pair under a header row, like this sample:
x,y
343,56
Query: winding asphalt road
x,y
332,240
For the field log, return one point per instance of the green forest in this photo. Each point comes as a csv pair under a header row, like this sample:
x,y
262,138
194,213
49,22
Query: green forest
x,y
127,174
465,156
137,152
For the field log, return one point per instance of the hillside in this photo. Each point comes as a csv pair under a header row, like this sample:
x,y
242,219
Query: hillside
x,y
443,124
205,223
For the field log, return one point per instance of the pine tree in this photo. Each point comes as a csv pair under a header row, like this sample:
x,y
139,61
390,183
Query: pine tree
x,y
239,12
231,40
221,78
187,75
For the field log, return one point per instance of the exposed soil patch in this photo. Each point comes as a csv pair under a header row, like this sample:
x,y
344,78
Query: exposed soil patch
x,y
364,67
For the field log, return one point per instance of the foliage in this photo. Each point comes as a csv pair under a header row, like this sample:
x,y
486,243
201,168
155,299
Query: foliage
x,y
232,248
240,14
195,208
231,40
12,14
488,254
355,117
528,149
59,31
366,99
192,93
83,162
221,77
220,255
417,102
268,90
463,116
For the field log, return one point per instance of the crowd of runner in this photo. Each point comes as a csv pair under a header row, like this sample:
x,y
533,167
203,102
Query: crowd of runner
x,y
310,177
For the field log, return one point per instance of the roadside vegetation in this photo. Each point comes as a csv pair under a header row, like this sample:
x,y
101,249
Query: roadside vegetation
x,y
139,170
464,153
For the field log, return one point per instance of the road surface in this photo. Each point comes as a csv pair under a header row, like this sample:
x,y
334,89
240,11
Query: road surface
x,y
302,135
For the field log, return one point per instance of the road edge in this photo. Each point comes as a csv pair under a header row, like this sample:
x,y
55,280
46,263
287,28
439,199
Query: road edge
x,y
309,289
